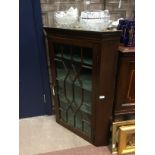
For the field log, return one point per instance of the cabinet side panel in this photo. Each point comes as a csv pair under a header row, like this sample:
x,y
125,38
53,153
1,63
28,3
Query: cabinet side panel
x,y
108,64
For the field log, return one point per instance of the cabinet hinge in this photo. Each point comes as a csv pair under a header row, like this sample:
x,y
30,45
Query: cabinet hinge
x,y
44,98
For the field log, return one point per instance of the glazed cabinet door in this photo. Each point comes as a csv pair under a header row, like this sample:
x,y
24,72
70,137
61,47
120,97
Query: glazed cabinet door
x,y
72,65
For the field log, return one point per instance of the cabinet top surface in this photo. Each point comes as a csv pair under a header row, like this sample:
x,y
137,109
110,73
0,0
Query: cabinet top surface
x,y
126,49
82,32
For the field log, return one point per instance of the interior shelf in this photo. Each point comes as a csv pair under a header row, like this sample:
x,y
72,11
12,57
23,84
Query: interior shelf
x,y
75,58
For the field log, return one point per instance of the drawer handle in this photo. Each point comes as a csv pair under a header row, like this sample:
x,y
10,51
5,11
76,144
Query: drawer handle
x,y
102,97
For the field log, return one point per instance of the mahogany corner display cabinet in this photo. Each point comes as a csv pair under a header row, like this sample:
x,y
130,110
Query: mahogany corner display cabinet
x,y
83,69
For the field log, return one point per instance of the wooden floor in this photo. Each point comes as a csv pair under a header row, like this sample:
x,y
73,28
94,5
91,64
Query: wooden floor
x,y
42,134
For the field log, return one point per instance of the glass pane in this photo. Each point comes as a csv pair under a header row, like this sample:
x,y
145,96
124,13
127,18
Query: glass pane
x,y
87,56
86,124
70,117
78,123
63,115
87,128
74,85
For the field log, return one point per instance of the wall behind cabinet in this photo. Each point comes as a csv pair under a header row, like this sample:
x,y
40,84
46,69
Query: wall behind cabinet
x,y
126,11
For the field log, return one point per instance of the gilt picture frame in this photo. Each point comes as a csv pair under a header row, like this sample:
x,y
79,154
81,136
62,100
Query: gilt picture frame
x,y
126,142
116,134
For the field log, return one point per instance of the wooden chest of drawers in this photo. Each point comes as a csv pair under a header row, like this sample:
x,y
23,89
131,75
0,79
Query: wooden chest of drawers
x,y
124,102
